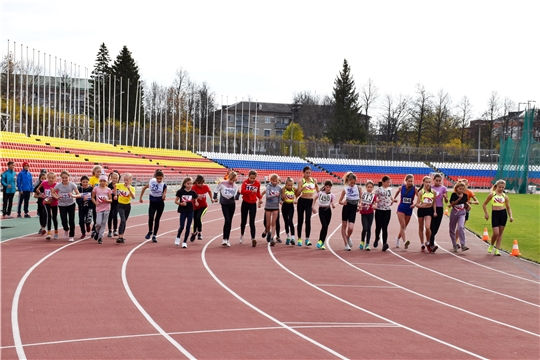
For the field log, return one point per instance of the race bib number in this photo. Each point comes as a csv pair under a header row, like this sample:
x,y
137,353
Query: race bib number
x,y
102,198
47,193
123,193
407,200
459,207
251,188
274,193
289,196
228,192
428,200
324,199
367,198
64,195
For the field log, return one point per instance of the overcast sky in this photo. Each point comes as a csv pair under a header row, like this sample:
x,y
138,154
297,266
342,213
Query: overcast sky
x,y
270,49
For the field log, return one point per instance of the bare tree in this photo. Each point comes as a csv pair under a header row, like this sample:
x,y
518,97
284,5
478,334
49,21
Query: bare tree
x,y
465,109
368,96
395,113
311,112
491,114
507,129
420,111
441,119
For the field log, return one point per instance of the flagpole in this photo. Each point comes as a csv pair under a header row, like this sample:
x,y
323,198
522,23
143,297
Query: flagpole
x,y
33,92
160,124
227,127
220,123
120,112
135,114
242,129
206,137
248,124
127,113
20,91
255,132
49,102
8,71
235,110
187,128
179,120
200,119
214,127
139,86
194,119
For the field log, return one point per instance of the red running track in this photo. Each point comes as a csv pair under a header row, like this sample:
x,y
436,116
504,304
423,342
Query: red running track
x,y
145,300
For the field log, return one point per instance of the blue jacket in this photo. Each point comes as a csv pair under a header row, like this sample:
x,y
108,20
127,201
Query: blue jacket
x,y
8,178
24,181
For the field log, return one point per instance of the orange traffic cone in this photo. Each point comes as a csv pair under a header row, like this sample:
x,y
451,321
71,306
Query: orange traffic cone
x,y
515,249
485,237
446,212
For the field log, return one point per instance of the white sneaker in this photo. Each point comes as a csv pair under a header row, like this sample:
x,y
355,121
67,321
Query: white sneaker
x,y
347,248
224,242
241,240
397,242
177,241
71,239
228,243
184,245
349,241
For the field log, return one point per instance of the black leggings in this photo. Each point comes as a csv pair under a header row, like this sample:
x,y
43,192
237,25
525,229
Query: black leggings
x,y
325,215
197,219
367,220
185,217
228,213
155,210
8,202
123,212
113,216
85,217
42,213
287,209
435,224
382,219
67,215
245,209
304,207
52,215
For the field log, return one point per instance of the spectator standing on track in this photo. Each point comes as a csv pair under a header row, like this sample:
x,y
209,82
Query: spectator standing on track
x,y
200,208
41,211
86,206
405,208
350,199
440,195
326,204
94,181
383,211
228,194
288,196
186,198
306,189
271,207
46,190
251,194
8,190
459,203
366,213
66,192
25,186
500,211
124,193
158,194
426,211
112,221
102,199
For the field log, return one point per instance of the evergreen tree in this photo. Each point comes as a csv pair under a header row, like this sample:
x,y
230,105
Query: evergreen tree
x,y
99,81
346,118
125,67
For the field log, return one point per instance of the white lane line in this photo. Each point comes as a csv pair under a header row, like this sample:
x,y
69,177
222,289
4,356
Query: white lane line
x,y
15,304
368,311
367,263
463,282
194,332
358,286
268,316
430,298
141,309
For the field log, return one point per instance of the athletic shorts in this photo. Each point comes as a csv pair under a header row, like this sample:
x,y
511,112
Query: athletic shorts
x,y
407,210
467,215
498,218
422,212
348,213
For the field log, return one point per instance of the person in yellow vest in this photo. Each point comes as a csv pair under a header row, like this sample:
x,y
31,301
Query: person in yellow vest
x,y
426,211
305,192
500,211
124,193
288,196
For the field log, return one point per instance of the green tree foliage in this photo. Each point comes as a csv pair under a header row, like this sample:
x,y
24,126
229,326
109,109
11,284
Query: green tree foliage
x,y
126,68
294,131
99,80
346,124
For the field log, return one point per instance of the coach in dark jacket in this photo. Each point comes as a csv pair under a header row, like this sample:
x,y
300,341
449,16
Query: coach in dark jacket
x,y
25,186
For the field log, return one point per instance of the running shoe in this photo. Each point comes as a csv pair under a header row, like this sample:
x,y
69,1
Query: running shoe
x,y
428,248
385,247
319,244
497,253
464,248
272,243
184,245
349,242
115,233
199,236
457,244
347,248
96,236
192,237
434,248
263,235
82,236
367,247
288,241
71,239
27,216
241,240
423,248
224,242
177,241
322,247
299,243
407,243
268,237
376,243
397,243
228,243
154,239
147,237
308,243
66,234
253,242
88,227
361,246
55,237
490,249
278,240
43,232
455,248
121,240
100,241
49,236
109,234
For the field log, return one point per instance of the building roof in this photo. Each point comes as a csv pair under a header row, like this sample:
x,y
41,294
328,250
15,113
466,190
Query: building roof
x,y
261,107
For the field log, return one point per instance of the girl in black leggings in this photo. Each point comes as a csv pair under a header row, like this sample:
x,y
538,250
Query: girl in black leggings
x,y
383,211
306,189
158,193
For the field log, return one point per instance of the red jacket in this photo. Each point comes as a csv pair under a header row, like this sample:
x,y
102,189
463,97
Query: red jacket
x,y
247,191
